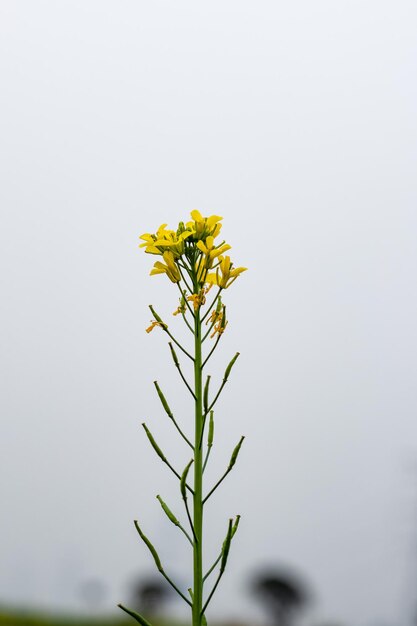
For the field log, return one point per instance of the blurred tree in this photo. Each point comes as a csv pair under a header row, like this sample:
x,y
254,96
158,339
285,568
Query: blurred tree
x,y
282,595
149,595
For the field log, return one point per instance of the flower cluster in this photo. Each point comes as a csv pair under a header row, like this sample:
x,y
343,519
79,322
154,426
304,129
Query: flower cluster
x,y
191,254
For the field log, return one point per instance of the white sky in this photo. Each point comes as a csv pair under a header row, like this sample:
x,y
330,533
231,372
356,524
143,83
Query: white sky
x,y
295,121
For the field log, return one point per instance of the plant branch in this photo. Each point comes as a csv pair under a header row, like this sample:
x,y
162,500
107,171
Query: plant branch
x,y
162,455
177,365
229,469
165,329
170,414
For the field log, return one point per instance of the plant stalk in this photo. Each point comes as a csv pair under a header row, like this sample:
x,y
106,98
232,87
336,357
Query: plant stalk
x,y
198,477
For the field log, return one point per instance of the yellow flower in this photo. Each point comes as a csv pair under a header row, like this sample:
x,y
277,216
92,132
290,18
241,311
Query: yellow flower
x,y
203,227
208,248
227,275
219,328
163,239
153,324
210,253
170,269
198,299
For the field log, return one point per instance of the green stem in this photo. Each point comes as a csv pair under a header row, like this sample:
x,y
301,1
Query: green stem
x,y
197,604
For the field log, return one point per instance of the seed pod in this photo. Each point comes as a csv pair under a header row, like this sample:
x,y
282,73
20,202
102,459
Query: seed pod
x,y
174,354
154,444
205,395
226,546
163,400
210,430
168,512
136,616
229,367
235,525
235,453
223,321
158,319
150,547
183,483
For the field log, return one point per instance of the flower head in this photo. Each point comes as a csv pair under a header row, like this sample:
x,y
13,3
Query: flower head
x,y
190,254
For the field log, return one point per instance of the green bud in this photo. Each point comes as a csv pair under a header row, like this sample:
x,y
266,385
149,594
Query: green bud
x,y
136,616
183,481
168,512
205,395
154,444
174,354
226,546
229,367
163,400
150,547
235,453
210,430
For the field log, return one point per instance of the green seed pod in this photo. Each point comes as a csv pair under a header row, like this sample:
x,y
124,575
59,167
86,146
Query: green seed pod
x,y
226,546
235,453
150,547
136,616
205,395
183,482
229,367
156,316
154,444
223,320
163,400
210,430
174,354
235,525
168,511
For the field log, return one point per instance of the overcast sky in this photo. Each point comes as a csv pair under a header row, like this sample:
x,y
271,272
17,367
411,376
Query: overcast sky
x,y
295,121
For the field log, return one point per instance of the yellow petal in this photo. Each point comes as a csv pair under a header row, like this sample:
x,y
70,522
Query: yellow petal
x,y
196,215
211,279
213,219
202,247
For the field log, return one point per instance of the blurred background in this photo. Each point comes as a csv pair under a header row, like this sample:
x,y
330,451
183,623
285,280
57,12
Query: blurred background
x,y
295,121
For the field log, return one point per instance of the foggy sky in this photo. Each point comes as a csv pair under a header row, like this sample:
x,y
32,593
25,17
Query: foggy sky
x,y
296,122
